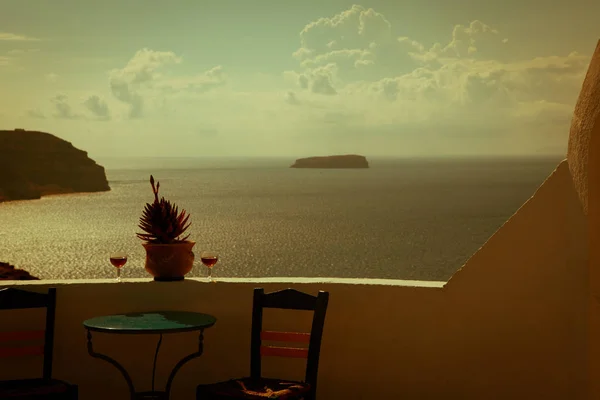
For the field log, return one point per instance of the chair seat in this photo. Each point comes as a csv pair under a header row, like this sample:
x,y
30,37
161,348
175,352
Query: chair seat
x,y
253,389
31,388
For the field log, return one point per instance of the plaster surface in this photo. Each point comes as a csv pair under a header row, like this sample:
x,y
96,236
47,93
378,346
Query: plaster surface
x,y
581,152
380,341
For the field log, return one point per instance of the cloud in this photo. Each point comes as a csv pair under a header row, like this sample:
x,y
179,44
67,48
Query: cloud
x,y
62,108
475,40
143,66
291,98
200,83
97,107
35,114
357,86
351,29
12,57
141,75
22,51
469,81
125,83
321,83
5,36
127,94
51,77
319,80
359,42
15,56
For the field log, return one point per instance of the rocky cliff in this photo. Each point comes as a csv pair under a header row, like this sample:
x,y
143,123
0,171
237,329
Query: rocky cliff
x,y
10,273
338,161
33,164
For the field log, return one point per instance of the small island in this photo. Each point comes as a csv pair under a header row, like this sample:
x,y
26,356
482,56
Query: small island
x,y
34,164
336,161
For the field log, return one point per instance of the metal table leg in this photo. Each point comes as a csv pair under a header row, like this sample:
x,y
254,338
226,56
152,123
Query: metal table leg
x,y
155,358
184,360
106,358
153,394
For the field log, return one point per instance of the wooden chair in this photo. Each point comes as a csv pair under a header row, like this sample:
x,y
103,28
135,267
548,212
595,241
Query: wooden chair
x,y
36,388
256,386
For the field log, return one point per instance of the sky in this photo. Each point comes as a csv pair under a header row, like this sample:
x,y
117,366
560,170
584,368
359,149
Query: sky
x,y
402,78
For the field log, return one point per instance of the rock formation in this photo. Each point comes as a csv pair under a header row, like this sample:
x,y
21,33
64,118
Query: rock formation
x,y
10,273
33,164
337,161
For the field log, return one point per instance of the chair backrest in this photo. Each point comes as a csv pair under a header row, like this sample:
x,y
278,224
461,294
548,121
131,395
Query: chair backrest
x,y
10,299
289,299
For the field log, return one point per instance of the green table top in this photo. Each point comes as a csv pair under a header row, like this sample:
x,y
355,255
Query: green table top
x,y
151,322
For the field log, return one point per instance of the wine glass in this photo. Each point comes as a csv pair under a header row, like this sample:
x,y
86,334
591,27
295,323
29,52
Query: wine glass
x,y
209,258
118,260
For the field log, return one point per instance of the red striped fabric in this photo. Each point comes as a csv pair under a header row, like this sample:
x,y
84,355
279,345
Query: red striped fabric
x,y
293,352
21,351
298,337
21,336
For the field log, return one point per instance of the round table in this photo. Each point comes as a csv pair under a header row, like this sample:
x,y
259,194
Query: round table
x,y
153,322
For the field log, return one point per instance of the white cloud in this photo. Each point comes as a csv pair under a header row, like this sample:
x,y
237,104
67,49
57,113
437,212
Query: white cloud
x,y
62,108
125,83
319,80
15,56
51,77
458,83
291,98
22,51
353,28
88,108
359,42
6,36
143,66
358,87
97,107
199,83
475,40
140,78
35,114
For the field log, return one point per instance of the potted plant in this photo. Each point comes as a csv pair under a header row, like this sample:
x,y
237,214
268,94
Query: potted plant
x,y
169,254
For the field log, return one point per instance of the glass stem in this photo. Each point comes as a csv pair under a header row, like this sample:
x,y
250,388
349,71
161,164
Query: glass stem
x,y
118,274
209,274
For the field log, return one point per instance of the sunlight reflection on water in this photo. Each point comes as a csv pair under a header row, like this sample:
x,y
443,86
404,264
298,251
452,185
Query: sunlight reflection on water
x,y
414,220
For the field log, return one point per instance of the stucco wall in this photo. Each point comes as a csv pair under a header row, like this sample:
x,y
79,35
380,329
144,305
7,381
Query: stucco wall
x,y
584,132
584,161
530,276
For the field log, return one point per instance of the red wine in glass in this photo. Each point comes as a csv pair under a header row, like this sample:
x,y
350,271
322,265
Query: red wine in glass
x,y
209,258
118,260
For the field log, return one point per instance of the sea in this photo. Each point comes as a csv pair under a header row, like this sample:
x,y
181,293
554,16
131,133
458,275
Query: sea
x,y
412,219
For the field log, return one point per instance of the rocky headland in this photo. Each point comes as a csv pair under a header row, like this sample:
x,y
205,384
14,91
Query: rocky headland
x,y
34,164
10,273
336,161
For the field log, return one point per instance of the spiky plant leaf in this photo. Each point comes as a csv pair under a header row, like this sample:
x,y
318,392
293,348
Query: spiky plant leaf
x,y
161,221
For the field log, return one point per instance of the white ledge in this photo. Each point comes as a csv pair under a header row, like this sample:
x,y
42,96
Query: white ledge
x,y
290,280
